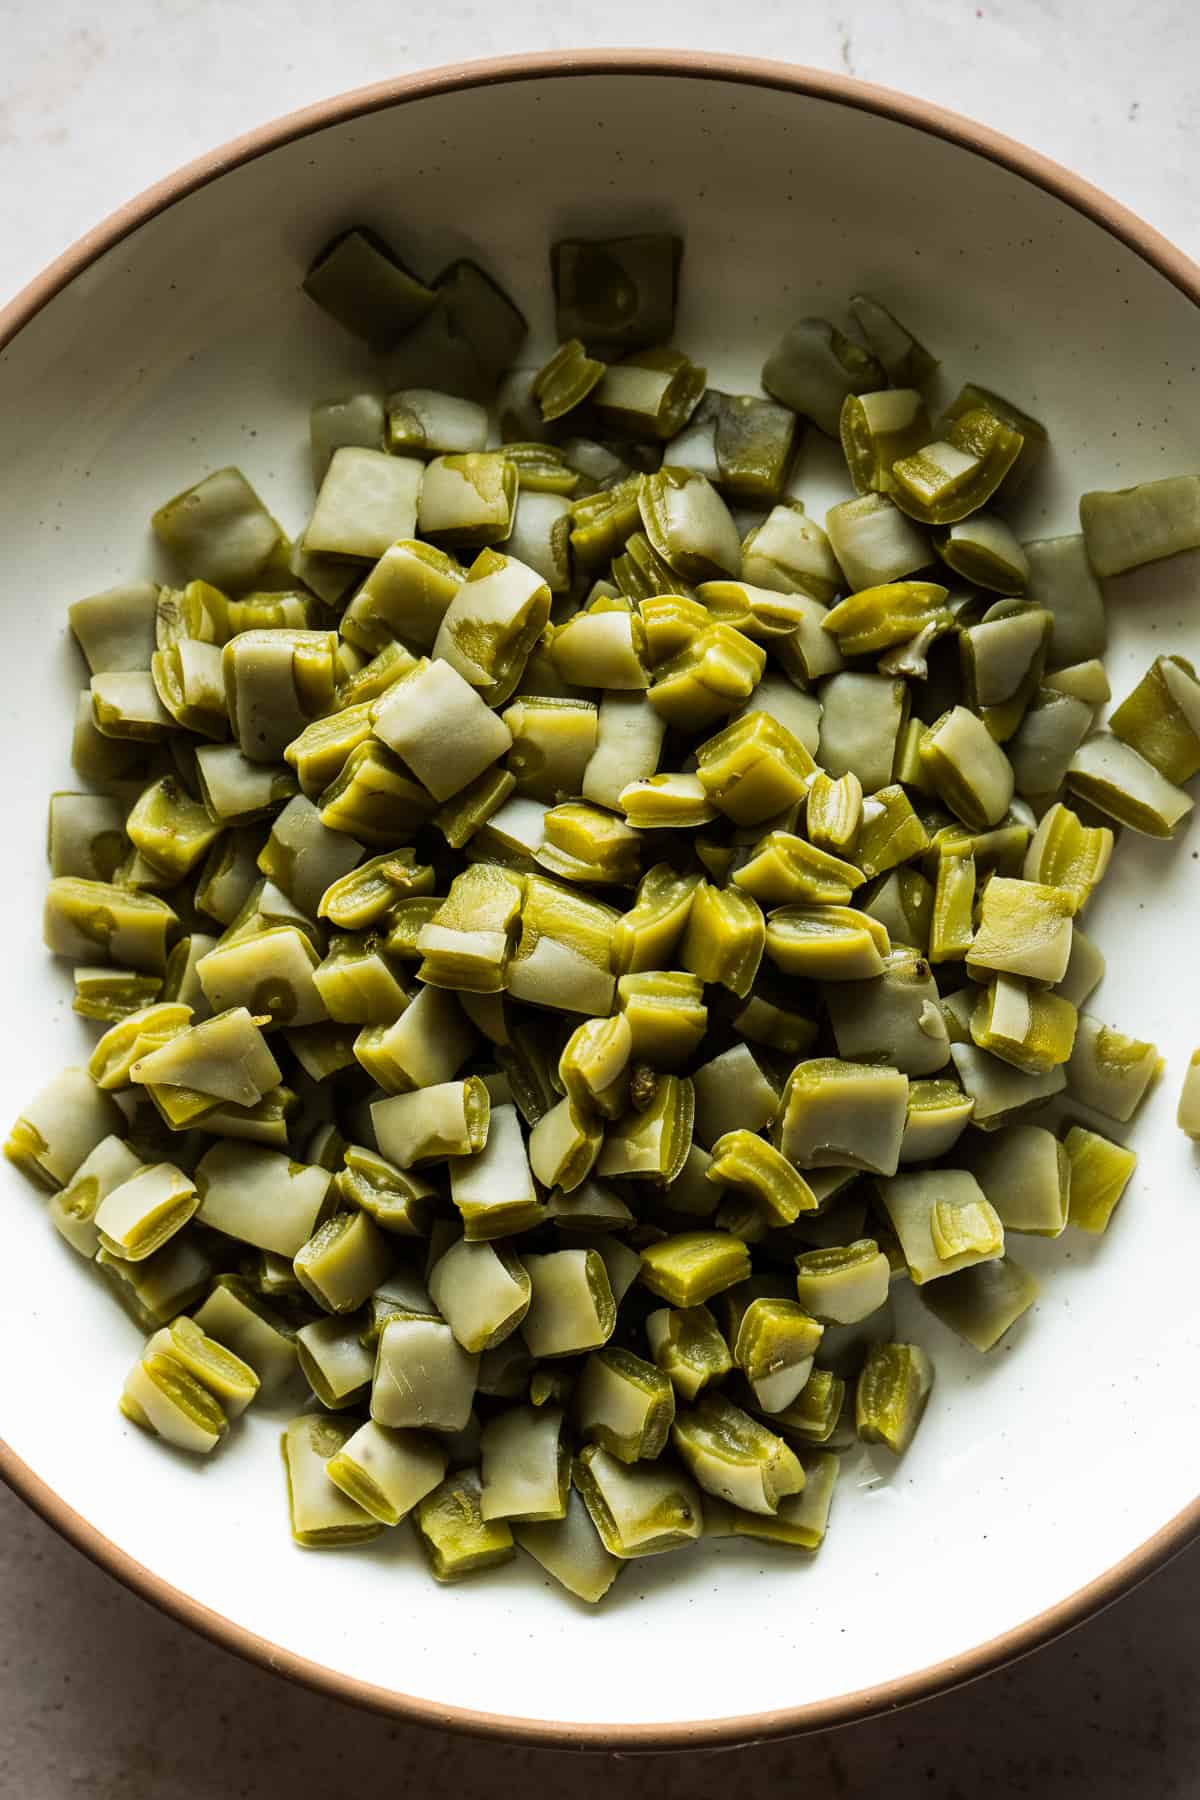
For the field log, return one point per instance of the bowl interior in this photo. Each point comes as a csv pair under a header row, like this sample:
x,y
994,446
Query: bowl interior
x,y
188,346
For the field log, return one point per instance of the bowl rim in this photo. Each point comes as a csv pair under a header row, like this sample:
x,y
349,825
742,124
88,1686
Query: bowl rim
x,y
1062,184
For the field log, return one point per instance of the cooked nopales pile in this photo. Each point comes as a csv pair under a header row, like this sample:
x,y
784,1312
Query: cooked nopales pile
x,y
570,930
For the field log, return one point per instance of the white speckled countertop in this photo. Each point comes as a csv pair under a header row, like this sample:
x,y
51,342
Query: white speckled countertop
x,y
101,1696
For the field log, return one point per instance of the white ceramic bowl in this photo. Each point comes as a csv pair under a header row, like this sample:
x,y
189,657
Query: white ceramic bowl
x,y
1044,1479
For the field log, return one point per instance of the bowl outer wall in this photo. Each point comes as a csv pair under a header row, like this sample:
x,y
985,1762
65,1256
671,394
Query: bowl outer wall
x,y
173,340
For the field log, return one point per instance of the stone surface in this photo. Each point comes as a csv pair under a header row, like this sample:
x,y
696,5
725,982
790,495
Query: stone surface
x,y
98,1693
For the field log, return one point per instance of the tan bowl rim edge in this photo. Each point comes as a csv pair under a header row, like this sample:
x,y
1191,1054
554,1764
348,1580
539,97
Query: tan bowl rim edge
x,y
1121,223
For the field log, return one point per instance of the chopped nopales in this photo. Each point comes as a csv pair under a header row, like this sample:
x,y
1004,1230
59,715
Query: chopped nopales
x,y
892,1392
814,368
640,918
843,1114
1141,524
1119,782
441,728
1100,1173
